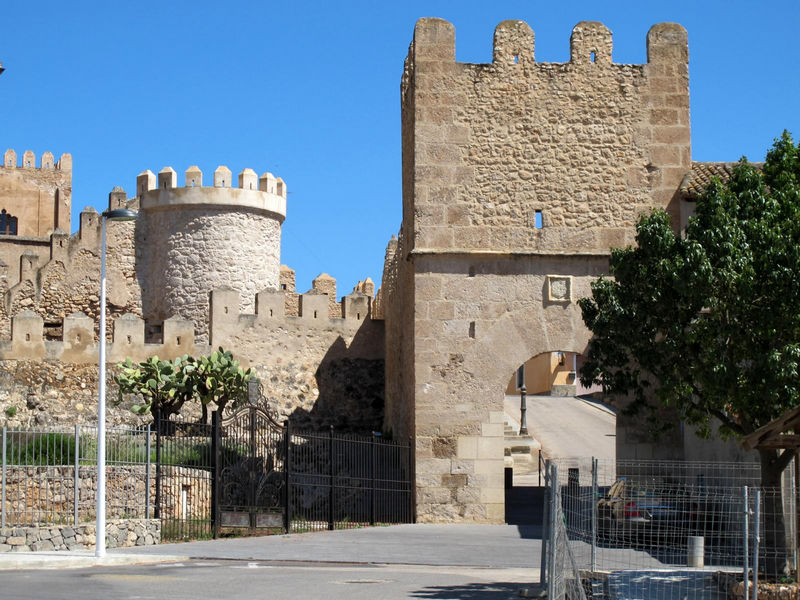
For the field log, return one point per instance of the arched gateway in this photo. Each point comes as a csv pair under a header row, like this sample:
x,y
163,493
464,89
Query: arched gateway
x,y
518,178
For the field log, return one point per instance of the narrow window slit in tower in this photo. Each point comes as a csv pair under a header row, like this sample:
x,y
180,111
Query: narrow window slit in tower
x,y
592,56
516,58
472,329
538,222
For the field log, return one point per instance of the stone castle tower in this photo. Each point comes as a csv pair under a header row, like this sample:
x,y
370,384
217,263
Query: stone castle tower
x,y
193,239
518,178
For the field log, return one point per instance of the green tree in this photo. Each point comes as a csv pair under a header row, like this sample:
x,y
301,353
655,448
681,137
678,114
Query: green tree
x,y
218,378
163,386
708,323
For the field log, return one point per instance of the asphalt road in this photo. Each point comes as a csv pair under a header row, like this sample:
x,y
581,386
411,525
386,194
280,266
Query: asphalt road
x,y
467,545
569,427
402,561
234,580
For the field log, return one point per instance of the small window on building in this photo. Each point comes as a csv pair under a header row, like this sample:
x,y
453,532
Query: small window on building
x,y
538,222
8,224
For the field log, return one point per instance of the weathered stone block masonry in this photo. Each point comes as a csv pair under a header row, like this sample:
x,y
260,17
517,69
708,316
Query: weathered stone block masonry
x,y
518,178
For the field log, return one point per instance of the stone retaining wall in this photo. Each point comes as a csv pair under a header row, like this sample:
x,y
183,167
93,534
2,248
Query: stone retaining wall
x,y
119,534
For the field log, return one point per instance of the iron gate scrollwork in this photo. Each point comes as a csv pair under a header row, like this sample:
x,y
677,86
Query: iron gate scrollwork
x,y
250,475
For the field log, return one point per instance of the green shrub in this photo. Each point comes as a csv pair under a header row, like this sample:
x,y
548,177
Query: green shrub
x,y
43,449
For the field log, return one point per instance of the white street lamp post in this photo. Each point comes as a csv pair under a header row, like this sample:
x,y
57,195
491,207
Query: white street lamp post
x,y
120,214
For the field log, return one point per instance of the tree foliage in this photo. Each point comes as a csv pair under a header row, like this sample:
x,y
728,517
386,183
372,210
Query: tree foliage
x,y
708,323
160,386
219,379
164,386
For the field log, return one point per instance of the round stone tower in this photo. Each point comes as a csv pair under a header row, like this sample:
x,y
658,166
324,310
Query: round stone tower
x,y
193,239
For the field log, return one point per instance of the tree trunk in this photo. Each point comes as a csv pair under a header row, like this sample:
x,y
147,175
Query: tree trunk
x,y
773,548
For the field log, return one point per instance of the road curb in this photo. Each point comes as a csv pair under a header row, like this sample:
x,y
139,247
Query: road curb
x,y
72,560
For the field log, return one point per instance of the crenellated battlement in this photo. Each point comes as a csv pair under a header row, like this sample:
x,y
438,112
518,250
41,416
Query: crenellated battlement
x,y
167,179
266,193
79,345
314,312
513,43
47,161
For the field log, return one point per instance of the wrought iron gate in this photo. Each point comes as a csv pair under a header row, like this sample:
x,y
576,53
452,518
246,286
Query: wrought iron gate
x,y
250,479
246,472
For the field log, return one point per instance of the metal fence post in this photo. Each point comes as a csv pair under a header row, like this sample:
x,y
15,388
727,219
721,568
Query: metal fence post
x,y
593,508
756,542
796,501
3,481
331,515
147,474
746,543
287,467
545,523
412,478
76,479
157,508
551,563
216,440
372,451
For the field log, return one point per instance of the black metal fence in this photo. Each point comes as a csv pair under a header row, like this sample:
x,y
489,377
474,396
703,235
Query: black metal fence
x,y
243,474
185,467
246,474
336,481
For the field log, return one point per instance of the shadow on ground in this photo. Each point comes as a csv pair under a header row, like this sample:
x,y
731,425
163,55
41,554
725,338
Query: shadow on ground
x,y
469,591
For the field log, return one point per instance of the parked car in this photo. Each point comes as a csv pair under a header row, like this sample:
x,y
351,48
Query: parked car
x,y
641,514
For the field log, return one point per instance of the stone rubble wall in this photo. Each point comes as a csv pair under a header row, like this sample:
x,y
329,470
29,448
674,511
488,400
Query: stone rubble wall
x,y
121,533
46,494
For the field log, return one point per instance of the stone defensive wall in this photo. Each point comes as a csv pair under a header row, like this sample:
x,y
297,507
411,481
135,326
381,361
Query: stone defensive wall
x,y
62,276
196,238
79,344
317,370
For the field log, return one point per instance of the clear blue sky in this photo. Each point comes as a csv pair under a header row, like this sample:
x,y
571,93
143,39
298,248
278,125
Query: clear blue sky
x,y
310,92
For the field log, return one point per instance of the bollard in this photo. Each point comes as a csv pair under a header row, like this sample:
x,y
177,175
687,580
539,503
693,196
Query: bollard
x,y
696,551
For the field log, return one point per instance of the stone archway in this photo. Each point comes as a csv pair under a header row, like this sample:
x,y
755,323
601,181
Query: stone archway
x,y
459,407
